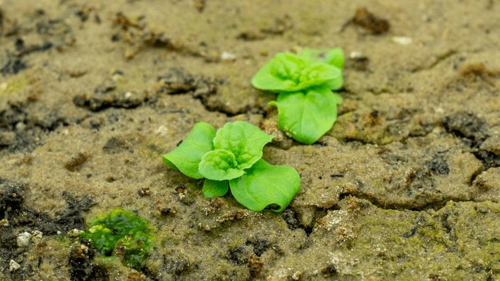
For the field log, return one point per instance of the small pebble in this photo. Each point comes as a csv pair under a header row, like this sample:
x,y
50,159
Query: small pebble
x,y
402,40
145,191
38,235
296,275
23,240
20,126
13,266
355,55
226,56
162,130
74,232
84,248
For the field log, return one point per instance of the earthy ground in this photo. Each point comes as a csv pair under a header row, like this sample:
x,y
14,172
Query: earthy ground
x,y
406,186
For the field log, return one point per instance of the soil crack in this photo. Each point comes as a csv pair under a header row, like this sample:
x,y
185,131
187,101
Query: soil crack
x,y
436,205
437,60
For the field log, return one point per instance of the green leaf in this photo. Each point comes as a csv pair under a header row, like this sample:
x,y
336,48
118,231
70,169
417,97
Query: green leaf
x,y
288,72
244,140
212,189
307,116
187,156
336,83
219,165
333,57
265,185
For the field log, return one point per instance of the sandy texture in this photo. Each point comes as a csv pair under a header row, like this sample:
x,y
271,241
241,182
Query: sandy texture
x,y
406,186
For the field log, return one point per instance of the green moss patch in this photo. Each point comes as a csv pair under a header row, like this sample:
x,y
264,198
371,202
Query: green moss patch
x,y
121,234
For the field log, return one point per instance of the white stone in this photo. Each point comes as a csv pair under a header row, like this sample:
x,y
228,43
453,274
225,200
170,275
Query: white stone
x,y
228,56
13,266
402,40
23,239
162,130
75,232
355,55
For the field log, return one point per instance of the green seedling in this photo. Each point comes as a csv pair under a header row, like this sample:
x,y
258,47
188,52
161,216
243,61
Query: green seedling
x,y
307,105
121,234
231,158
288,72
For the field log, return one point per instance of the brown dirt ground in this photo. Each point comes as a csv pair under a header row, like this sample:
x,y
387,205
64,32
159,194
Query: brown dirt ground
x,y
406,186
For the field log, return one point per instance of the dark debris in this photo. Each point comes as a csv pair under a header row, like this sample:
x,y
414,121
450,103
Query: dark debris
x,y
83,268
374,24
438,164
13,66
97,103
21,131
489,159
466,125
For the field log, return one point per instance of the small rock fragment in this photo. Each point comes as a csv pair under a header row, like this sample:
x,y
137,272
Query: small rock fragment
x,y
296,275
13,266
370,22
75,232
76,162
255,265
36,235
402,40
226,56
161,131
23,239
355,55
145,191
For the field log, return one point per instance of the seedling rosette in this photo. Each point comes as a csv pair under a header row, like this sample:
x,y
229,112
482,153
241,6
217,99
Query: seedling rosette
x,y
307,105
231,158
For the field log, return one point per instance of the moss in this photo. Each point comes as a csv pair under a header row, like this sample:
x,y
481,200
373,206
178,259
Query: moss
x,y
121,234
457,242
14,85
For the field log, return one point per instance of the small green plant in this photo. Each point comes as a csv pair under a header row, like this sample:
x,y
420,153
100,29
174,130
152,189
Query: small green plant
x,y
123,234
232,158
307,105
